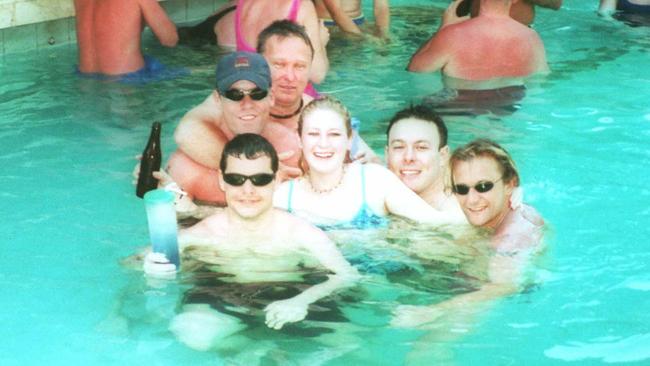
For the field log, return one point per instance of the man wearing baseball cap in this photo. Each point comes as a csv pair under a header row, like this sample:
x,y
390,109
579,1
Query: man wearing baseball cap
x,y
240,104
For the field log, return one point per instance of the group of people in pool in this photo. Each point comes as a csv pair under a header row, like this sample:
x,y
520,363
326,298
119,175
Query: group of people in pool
x,y
287,163
283,175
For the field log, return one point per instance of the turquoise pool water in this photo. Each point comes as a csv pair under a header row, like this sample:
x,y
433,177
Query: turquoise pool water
x,y
580,138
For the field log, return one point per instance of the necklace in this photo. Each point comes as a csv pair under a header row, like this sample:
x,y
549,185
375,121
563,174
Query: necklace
x,y
287,116
328,190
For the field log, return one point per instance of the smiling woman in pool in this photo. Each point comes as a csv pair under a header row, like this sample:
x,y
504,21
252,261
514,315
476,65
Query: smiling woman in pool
x,y
334,191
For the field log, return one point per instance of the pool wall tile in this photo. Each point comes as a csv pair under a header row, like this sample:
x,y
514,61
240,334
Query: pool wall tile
x,y
20,38
6,14
72,30
36,11
52,33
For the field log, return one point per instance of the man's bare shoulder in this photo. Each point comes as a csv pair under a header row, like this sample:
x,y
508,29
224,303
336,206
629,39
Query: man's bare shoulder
x,y
298,228
214,224
522,229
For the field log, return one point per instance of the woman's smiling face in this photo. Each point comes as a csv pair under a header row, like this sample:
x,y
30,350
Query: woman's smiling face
x,y
325,140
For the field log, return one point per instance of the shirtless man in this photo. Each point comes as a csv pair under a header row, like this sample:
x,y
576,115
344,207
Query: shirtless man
x,y
239,23
287,49
251,241
240,103
522,11
108,33
492,48
483,179
289,52
418,154
348,15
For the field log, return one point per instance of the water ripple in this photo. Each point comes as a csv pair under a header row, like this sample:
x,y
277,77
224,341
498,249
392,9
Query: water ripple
x,y
631,349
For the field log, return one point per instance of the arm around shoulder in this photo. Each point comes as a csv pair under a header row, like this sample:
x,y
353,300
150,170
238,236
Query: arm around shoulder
x,y
195,137
402,201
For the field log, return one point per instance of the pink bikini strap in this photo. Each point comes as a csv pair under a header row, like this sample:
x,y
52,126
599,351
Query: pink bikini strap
x,y
293,13
239,38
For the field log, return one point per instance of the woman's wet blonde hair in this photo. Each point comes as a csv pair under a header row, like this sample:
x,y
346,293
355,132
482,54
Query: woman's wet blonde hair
x,y
326,103
487,148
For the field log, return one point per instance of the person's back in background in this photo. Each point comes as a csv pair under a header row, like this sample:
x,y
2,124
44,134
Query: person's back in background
x,y
109,31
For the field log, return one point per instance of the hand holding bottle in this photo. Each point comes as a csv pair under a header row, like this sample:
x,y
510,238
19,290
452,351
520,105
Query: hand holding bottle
x,y
150,162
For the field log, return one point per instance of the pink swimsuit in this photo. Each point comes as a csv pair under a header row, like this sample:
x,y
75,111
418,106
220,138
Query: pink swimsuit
x,y
241,42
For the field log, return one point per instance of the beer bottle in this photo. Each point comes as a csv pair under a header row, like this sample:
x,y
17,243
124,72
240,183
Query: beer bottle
x,y
151,159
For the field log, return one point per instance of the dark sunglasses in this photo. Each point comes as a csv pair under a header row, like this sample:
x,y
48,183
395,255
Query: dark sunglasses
x,y
258,180
237,94
480,187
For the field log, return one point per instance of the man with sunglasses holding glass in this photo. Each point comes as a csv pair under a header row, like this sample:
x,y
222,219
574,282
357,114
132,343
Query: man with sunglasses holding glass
x,y
484,177
251,243
240,104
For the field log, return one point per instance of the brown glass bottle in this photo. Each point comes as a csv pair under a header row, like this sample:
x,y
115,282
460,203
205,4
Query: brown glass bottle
x,y
151,159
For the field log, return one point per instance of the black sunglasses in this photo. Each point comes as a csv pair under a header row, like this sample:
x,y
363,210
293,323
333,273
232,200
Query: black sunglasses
x,y
258,180
238,94
480,187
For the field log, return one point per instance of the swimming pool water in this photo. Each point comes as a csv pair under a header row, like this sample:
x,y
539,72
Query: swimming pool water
x,y
580,138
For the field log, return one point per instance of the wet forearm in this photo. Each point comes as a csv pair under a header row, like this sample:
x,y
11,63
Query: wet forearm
x,y
317,292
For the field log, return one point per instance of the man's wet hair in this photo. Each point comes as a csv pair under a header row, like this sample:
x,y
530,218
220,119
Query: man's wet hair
x,y
283,29
487,149
423,113
251,146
